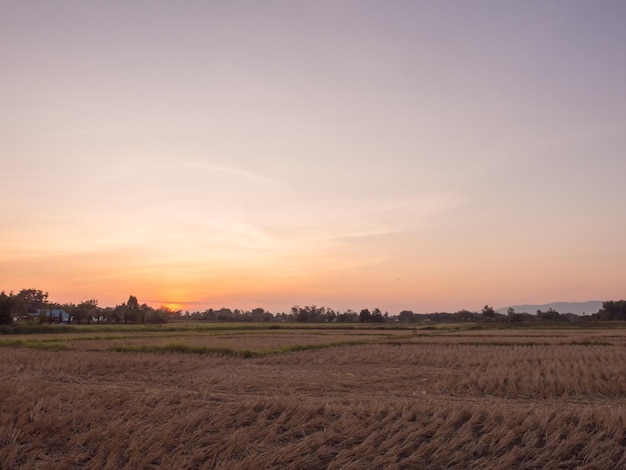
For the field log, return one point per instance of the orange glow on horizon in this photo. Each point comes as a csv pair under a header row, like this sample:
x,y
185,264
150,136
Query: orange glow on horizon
x,y
174,307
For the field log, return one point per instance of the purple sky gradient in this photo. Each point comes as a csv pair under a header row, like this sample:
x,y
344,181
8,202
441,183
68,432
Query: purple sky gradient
x,y
249,154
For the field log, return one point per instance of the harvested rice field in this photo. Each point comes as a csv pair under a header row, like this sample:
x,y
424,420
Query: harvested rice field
x,y
314,398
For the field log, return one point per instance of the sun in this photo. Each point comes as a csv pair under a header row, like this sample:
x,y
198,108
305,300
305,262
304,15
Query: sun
x,y
173,307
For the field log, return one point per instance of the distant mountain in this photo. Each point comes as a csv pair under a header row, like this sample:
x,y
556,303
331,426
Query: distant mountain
x,y
578,308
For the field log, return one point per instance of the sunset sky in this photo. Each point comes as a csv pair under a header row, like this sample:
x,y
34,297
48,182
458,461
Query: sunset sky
x,y
422,155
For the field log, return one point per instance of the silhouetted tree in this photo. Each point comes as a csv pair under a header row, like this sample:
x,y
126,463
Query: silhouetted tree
x,y
300,314
365,316
406,316
488,312
29,301
162,315
549,315
309,313
225,314
34,298
512,316
348,316
7,305
259,314
130,310
613,310
331,315
377,316
117,314
84,311
466,315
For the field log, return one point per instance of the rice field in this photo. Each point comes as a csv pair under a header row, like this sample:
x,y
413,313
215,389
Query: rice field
x,y
314,398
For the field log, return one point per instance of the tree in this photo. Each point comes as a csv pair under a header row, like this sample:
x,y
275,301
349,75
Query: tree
x,y
365,316
465,315
6,308
29,301
348,316
118,314
331,315
34,299
299,314
160,316
488,312
84,311
130,310
225,314
613,310
512,316
377,316
549,315
309,313
132,303
145,312
406,316
258,314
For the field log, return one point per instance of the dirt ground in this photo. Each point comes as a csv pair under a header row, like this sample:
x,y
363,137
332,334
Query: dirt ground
x,y
397,405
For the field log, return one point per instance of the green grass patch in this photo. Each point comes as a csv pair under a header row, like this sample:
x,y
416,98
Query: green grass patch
x,y
54,345
308,347
244,353
181,348
201,327
31,329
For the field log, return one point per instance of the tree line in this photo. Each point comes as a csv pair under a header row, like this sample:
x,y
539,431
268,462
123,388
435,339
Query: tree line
x,y
33,306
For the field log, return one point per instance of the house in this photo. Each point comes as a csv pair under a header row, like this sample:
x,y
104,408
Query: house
x,y
53,315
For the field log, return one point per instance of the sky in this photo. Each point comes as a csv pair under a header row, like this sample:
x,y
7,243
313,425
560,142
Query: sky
x,y
419,155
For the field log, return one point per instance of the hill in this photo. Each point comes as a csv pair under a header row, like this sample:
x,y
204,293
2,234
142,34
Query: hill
x,y
579,308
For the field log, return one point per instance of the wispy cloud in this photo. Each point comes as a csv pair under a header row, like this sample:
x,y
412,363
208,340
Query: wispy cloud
x,y
239,173
346,219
